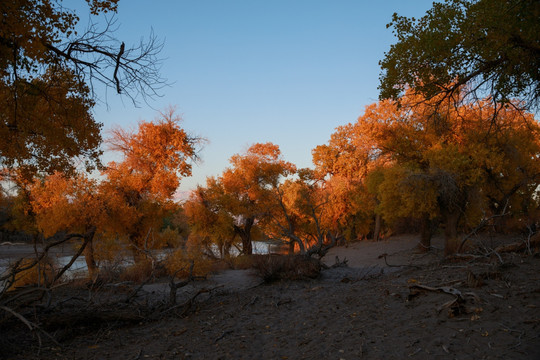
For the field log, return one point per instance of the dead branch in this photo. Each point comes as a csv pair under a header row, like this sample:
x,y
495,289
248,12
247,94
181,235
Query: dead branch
x,y
31,326
134,70
139,288
518,246
455,306
225,333
444,289
175,286
391,265
529,236
340,263
189,303
320,249
16,269
87,237
481,225
115,75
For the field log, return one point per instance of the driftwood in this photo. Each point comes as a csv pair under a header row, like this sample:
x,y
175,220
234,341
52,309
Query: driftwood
x,y
31,325
186,306
173,286
455,306
518,246
392,265
481,225
444,289
321,247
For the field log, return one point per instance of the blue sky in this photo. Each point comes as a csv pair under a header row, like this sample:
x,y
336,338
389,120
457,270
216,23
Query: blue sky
x,y
241,72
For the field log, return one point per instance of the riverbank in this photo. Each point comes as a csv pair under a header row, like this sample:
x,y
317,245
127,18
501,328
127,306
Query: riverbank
x,y
380,307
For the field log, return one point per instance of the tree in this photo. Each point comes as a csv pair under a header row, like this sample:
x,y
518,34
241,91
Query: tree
x,y
139,189
209,219
46,123
344,163
234,204
478,47
296,212
69,204
48,73
458,165
248,184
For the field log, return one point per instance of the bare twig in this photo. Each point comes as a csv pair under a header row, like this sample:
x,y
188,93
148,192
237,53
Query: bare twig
x,y
481,225
225,333
32,326
187,305
87,237
175,286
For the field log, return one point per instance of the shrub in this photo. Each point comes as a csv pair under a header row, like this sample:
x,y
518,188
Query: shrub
x,y
242,262
137,272
39,274
179,263
109,249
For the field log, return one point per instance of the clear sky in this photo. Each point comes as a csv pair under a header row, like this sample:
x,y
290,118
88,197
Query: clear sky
x,y
241,72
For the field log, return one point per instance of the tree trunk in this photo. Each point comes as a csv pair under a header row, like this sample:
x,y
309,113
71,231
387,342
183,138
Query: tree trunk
x,y
89,256
139,255
90,260
247,247
291,247
451,241
222,251
245,235
227,249
353,235
425,234
296,240
377,230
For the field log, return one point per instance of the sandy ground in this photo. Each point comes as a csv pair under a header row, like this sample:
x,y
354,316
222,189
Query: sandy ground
x,y
368,310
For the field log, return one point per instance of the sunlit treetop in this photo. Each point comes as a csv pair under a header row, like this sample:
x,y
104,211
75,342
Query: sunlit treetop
x,y
62,203
260,167
155,157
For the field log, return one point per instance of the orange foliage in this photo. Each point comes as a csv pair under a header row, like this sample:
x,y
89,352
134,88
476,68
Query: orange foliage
x,y
456,163
139,190
447,162
130,203
62,203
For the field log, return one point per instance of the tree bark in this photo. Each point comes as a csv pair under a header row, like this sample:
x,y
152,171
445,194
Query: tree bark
x,y
451,243
377,230
89,256
245,235
425,234
291,247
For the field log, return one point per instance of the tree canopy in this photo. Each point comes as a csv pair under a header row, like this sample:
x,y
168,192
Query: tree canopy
x,y
480,47
49,70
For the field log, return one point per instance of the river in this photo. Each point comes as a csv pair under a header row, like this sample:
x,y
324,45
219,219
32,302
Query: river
x,y
62,254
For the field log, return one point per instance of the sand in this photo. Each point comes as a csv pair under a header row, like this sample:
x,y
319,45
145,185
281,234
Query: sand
x,y
368,310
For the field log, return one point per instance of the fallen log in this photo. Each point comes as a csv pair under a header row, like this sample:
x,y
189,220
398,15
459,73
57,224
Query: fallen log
x,y
91,318
518,246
